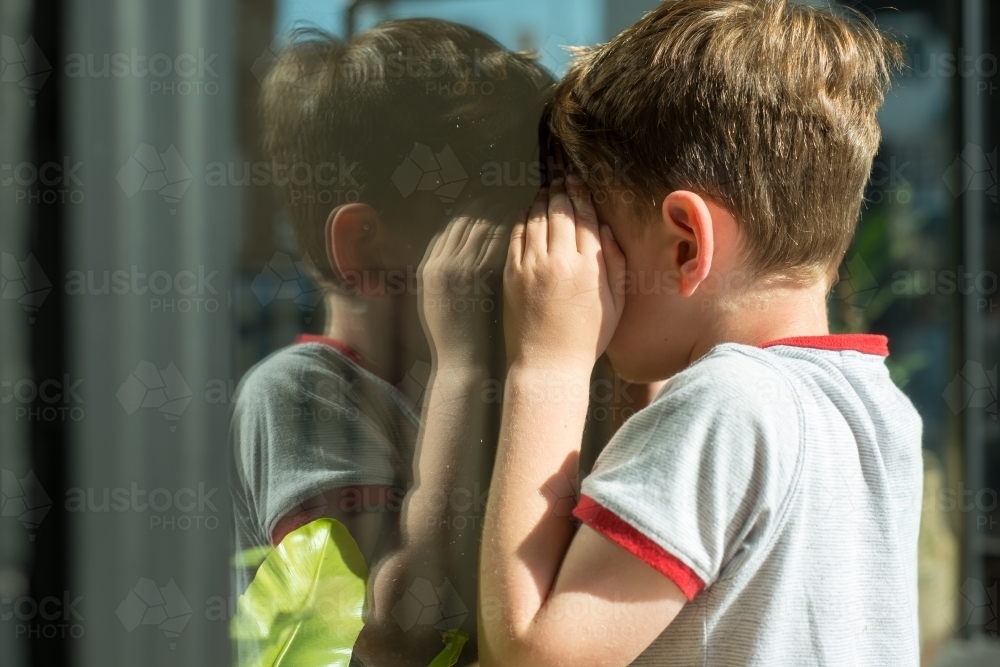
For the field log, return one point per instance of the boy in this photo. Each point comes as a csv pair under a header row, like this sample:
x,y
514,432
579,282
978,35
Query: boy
x,y
764,509
384,139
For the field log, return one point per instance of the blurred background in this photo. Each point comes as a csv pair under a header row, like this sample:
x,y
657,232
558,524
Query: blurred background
x,y
144,273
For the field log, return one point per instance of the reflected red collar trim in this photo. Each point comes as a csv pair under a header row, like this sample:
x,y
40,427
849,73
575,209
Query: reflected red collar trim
x,y
338,345
864,343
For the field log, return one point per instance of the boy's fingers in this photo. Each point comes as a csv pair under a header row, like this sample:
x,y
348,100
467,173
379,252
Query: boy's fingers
x,y
457,231
562,234
441,240
587,234
475,237
490,249
536,228
583,203
515,251
615,265
432,251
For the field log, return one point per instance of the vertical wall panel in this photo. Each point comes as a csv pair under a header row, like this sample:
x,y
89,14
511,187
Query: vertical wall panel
x,y
15,458
151,349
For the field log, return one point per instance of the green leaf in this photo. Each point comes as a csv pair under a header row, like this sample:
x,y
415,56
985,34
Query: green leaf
x,y
304,606
454,640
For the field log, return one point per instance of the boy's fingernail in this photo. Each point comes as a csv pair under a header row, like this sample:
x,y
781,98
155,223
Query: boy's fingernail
x,y
557,182
574,179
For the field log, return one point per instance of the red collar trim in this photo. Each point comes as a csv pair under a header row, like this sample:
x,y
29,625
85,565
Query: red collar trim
x,y
338,345
864,343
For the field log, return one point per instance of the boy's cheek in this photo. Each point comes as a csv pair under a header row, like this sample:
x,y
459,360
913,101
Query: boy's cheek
x,y
626,363
629,340
643,332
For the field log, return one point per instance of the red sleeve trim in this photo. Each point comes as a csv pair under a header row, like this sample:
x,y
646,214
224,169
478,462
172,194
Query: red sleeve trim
x,y
611,526
293,521
864,343
334,503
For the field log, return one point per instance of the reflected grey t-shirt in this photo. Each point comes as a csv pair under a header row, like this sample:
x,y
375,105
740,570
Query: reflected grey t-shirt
x,y
780,489
307,420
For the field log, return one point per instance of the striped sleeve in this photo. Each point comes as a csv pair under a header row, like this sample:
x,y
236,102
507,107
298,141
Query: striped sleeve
x,y
613,527
699,475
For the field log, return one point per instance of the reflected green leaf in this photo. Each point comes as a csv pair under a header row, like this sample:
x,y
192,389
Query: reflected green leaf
x,y
454,640
304,606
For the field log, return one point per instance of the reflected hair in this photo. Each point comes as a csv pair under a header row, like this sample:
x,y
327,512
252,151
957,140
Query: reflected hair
x,y
368,103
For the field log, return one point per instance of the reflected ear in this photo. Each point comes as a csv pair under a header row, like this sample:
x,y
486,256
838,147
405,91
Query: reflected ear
x,y
692,237
353,236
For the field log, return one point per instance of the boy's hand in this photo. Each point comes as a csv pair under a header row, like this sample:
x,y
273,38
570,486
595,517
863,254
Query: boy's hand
x,y
557,592
562,281
459,289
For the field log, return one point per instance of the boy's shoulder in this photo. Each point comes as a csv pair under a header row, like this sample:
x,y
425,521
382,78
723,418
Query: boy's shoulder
x,y
286,367
731,409
317,376
303,371
787,373
732,377
765,397
786,389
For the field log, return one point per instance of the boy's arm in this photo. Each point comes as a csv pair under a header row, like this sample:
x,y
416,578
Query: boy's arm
x,y
424,549
549,594
455,286
453,424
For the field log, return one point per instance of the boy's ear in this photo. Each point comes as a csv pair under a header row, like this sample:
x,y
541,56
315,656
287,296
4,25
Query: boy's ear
x,y
692,238
353,236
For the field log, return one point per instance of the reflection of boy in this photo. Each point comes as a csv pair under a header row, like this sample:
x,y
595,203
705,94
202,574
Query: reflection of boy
x,y
764,509
310,418
403,142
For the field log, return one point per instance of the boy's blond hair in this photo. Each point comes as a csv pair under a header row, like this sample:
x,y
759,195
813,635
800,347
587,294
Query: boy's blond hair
x,y
767,107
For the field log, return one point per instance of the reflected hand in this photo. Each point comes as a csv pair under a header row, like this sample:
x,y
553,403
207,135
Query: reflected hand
x,y
459,289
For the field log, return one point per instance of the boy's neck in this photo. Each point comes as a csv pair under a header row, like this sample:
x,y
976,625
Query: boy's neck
x,y
777,312
376,330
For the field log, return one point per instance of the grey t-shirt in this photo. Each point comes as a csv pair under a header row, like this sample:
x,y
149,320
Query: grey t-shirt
x,y
780,489
308,420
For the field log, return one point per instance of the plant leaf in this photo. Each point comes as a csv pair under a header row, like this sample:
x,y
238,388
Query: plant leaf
x,y
304,606
454,640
